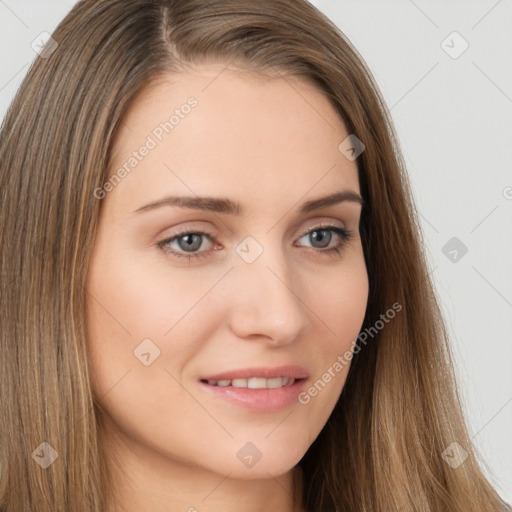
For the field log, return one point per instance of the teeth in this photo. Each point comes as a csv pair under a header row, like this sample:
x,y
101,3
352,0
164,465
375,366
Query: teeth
x,y
257,383
254,383
275,383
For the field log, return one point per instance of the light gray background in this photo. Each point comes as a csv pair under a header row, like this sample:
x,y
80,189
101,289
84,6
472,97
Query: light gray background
x,y
454,120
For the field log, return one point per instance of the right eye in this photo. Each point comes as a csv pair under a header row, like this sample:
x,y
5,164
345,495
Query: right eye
x,y
192,241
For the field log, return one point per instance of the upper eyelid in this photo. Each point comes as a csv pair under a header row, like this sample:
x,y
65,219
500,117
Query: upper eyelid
x,y
322,225
315,225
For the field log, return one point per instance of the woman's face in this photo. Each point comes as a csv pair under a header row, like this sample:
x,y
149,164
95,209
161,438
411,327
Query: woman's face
x,y
268,291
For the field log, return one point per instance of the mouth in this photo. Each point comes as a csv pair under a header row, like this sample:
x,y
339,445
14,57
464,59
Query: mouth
x,y
257,389
253,383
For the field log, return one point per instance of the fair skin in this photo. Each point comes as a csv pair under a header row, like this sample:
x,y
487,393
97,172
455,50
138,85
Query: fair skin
x,y
271,147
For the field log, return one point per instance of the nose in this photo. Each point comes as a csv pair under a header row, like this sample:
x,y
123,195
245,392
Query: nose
x,y
265,303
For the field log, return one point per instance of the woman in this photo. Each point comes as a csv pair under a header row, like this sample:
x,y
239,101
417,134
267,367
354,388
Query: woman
x,y
290,354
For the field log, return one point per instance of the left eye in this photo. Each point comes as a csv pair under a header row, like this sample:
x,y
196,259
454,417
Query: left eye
x,y
190,241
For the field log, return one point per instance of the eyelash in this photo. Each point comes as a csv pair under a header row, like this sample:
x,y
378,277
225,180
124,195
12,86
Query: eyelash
x,y
343,233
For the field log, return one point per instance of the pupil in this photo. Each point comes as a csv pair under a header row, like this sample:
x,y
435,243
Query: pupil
x,y
320,237
190,243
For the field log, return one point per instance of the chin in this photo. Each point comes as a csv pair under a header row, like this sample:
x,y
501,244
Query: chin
x,y
271,459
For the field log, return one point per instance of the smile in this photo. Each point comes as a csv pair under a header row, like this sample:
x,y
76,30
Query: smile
x,y
255,383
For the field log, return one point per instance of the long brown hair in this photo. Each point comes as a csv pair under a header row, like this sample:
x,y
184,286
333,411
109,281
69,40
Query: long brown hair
x,y
381,449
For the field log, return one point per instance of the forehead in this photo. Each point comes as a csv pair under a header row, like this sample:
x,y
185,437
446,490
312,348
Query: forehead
x,y
217,129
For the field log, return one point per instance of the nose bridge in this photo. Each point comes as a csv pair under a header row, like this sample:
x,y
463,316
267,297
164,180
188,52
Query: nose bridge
x,y
267,303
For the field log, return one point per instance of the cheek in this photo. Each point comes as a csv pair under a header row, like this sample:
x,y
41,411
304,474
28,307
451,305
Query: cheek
x,y
132,305
338,300
138,305
137,297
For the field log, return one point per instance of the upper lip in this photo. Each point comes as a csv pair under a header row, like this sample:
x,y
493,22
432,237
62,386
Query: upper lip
x,y
265,372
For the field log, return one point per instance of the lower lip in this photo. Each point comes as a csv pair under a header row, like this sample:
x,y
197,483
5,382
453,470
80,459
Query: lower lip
x,y
259,400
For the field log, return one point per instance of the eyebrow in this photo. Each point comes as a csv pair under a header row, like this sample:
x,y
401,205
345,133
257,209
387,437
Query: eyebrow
x,y
230,207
